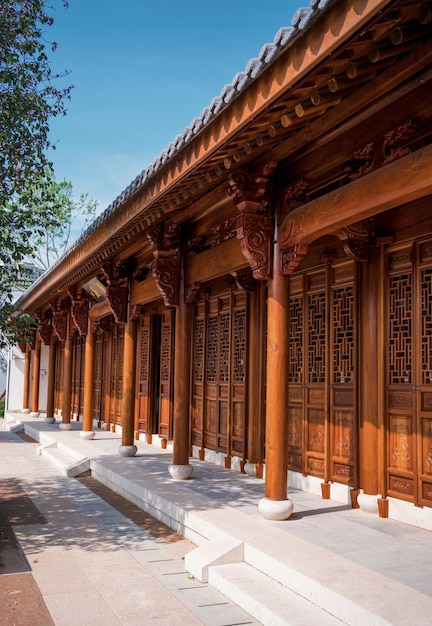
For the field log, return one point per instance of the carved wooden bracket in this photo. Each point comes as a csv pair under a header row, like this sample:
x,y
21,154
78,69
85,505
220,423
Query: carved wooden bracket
x,y
166,263
60,320
294,196
117,290
355,242
24,347
251,191
79,309
291,258
191,292
392,146
103,324
45,327
244,280
255,233
136,311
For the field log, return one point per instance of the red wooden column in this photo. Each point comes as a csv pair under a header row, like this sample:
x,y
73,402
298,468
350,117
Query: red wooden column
x,y
87,431
181,469
67,385
34,412
275,505
51,382
26,391
128,448
255,438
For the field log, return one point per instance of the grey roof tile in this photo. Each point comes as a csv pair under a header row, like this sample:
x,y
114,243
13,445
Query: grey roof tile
x,y
267,53
301,17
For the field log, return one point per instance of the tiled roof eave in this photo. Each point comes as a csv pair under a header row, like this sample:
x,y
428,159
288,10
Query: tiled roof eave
x,y
285,38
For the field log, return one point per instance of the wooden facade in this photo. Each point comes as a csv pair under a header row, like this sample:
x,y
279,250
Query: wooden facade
x,y
273,270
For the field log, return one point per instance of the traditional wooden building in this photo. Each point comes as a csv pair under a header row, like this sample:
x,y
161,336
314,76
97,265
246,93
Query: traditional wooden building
x,y
261,294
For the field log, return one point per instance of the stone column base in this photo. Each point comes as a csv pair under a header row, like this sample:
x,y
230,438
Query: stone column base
x,y
50,420
128,450
368,503
25,410
65,426
278,510
34,413
87,434
180,472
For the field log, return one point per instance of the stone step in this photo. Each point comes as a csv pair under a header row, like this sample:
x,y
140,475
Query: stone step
x,y
68,465
265,599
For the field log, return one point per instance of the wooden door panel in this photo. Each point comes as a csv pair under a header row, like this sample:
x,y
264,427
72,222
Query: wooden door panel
x,y
198,369
59,381
238,420
295,432
99,376
166,375
296,389
322,398
401,374
142,422
219,373
316,438
342,445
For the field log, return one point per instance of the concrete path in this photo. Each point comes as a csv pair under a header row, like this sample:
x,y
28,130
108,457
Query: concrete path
x,y
91,564
327,565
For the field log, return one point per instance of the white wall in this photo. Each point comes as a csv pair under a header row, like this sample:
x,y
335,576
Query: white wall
x,y
15,380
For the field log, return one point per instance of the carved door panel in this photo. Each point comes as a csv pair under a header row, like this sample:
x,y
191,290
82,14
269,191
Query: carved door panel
x,y
342,392
58,399
198,372
216,387
99,376
316,431
119,385
116,373
81,383
77,349
321,410
409,373
219,373
296,400
238,374
144,376
166,374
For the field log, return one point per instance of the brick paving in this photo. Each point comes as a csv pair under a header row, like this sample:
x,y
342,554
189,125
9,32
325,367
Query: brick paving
x,y
74,552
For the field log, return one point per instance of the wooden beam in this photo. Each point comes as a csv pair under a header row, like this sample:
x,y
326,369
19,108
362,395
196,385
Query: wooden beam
x,y
100,310
400,182
218,261
142,293
334,27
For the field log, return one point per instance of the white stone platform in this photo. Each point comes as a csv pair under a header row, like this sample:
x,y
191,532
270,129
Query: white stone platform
x,y
327,564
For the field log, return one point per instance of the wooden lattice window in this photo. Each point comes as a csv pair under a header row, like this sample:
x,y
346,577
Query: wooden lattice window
x,y
426,330
317,337
212,349
219,373
343,334
145,353
239,354
198,374
296,340
400,328
224,337
165,355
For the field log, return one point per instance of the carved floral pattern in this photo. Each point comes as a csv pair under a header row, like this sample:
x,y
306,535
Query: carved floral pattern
x,y
166,263
255,234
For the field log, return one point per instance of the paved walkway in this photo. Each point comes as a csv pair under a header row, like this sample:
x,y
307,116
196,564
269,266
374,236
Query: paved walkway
x,y
328,564
85,563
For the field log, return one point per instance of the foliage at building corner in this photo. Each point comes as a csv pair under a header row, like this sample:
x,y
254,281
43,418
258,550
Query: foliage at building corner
x,y
29,97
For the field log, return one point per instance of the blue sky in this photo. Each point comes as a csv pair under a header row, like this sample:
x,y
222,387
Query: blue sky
x,y
141,72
